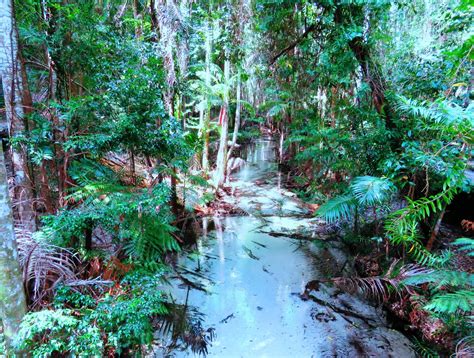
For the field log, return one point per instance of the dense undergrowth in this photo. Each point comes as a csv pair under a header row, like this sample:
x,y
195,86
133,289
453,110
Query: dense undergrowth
x,y
127,112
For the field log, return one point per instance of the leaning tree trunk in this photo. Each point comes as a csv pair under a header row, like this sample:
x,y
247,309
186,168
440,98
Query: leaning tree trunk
x,y
13,82
12,295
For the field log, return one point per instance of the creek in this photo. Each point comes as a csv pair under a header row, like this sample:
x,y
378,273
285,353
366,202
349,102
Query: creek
x,y
253,270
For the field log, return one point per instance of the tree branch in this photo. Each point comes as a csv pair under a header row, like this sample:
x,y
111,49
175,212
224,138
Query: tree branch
x,y
290,47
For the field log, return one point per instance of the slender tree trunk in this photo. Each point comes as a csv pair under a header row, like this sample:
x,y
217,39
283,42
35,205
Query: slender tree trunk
x,y
237,117
207,117
138,18
12,295
219,177
13,82
434,233
166,13
45,190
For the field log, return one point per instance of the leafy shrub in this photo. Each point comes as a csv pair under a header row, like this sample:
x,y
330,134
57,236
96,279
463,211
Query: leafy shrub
x,y
83,326
47,332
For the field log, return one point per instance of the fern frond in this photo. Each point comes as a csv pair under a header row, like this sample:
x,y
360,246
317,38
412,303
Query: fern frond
x,y
149,237
402,226
423,350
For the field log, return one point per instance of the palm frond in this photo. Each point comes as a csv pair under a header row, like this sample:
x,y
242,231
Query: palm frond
x,y
380,287
442,278
341,207
465,244
465,347
44,265
459,301
372,190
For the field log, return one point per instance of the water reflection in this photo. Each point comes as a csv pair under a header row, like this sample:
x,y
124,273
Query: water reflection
x,y
254,279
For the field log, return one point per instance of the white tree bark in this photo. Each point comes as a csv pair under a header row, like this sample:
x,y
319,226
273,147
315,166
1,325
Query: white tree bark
x,y
12,82
207,117
237,118
12,295
221,163
168,22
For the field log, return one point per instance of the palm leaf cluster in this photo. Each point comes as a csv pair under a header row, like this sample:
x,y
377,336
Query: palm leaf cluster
x,y
364,192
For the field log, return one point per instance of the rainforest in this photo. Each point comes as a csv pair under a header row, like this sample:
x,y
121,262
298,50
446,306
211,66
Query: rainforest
x,y
236,178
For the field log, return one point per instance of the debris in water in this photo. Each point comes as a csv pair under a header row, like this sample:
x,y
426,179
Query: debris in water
x,y
250,253
227,318
259,244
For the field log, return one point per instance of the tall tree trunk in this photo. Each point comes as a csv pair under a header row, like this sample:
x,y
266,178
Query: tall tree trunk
x,y
12,295
237,117
167,16
183,56
13,81
219,177
370,72
207,116
137,16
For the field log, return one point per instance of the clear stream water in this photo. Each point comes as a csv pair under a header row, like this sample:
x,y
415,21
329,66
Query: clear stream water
x,y
253,280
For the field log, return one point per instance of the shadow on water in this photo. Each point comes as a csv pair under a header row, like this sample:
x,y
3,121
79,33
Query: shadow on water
x,y
251,280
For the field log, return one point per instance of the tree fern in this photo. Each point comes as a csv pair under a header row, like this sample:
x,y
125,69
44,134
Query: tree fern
x,y
147,237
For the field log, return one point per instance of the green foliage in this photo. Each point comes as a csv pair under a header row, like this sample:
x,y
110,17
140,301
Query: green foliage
x,y
47,332
127,318
441,278
450,294
80,323
137,218
423,349
364,192
341,207
450,303
465,244
402,226
371,190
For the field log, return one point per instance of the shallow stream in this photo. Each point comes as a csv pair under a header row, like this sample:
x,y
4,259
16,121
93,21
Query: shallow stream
x,y
253,279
